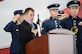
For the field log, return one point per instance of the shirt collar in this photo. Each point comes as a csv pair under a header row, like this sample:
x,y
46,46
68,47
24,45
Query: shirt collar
x,y
73,18
53,18
28,22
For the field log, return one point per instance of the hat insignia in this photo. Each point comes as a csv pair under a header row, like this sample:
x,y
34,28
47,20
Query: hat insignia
x,y
75,1
22,11
56,4
60,11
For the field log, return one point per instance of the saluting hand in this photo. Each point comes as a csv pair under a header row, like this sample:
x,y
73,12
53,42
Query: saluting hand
x,y
80,23
15,18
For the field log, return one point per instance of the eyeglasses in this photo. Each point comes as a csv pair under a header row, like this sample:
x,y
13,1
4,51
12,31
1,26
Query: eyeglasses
x,y
31,15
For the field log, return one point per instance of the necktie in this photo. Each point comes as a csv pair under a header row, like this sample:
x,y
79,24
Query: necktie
x,y
32,25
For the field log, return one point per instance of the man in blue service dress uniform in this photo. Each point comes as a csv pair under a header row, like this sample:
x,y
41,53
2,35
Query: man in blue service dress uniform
x,y
73,23
13,28
53,22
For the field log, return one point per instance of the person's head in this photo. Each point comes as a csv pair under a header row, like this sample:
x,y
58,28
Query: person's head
x,y
53,13
20,14
21,18
53,10
29,14
73,7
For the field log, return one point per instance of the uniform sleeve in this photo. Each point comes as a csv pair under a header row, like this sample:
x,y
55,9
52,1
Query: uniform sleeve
x,y
44,28
9,26
62,24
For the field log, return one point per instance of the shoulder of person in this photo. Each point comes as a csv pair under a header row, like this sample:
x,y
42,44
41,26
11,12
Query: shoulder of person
x,y
80,18
46,21
23,23
65,19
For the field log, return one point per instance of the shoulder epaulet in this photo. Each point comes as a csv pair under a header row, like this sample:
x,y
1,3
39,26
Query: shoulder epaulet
x,y
46,20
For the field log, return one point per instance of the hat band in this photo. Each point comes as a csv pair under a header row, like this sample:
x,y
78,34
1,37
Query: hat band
x,y
55,8
74,5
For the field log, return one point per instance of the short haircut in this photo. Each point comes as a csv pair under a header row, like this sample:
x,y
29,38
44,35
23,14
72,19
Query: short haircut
x,y
28,9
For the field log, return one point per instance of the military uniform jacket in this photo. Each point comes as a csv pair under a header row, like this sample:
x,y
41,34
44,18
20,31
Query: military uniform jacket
x,y
68,24
49,24
13,28
25,35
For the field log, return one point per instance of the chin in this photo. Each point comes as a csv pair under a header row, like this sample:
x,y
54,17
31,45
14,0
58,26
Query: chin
x,y
75,14
31,20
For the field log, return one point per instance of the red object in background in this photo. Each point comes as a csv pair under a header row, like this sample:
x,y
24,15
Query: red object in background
x,y
80,12
66,10
5,51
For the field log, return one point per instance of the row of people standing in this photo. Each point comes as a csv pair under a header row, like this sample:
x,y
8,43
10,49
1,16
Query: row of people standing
x,y
27,30
22,30
73,20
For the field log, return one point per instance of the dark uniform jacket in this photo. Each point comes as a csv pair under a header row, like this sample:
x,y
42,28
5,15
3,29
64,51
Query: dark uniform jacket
x,y
25,35
13,28
49,24
68,24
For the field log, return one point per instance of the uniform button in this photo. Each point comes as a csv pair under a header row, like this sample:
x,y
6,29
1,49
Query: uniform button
x,y
74,21
17,30
55,21
75,36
